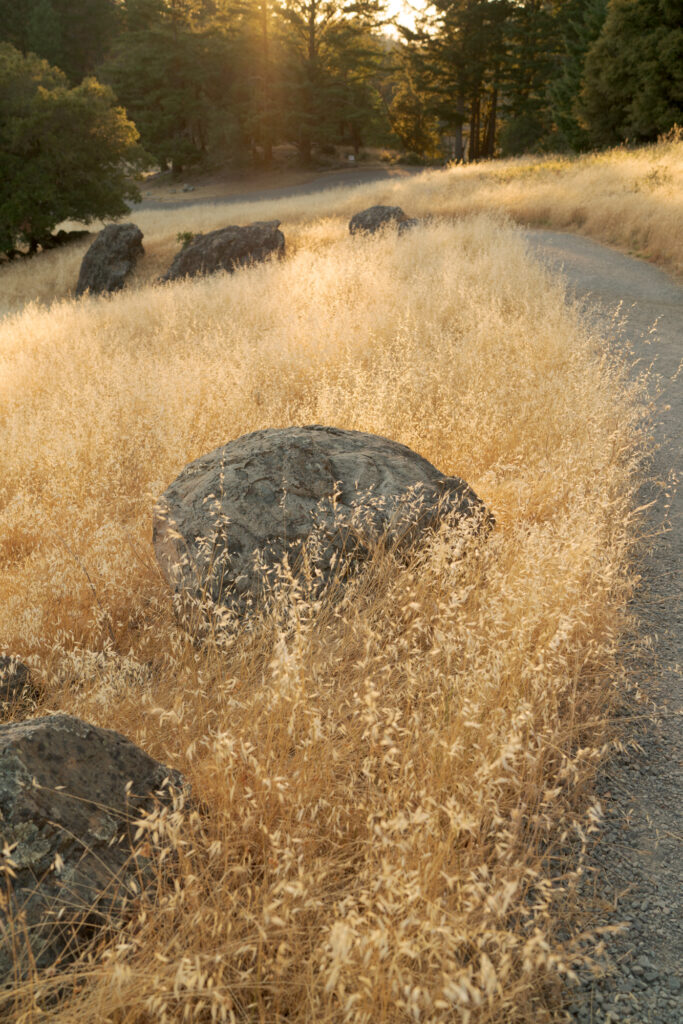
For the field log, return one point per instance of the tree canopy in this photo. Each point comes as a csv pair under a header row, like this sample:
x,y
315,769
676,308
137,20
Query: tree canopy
x,y
633,84
216,82
66,152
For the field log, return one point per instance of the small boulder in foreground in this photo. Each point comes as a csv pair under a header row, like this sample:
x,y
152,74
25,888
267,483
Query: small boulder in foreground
x,y
70,793
229,519
226,249
110,259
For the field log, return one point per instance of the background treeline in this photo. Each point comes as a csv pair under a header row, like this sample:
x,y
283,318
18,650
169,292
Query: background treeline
x,y
210,82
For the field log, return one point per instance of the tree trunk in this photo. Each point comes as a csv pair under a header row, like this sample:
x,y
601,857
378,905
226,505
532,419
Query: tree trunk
x,y
474,129
490,137
266,116
460,112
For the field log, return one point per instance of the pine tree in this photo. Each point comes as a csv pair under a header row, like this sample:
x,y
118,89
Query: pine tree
x,y
173,71
459,55
633,83
323,38
74,35
580,23
532,43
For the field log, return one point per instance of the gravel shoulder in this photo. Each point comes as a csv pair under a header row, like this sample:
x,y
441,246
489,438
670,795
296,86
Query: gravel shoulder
x,y
635,871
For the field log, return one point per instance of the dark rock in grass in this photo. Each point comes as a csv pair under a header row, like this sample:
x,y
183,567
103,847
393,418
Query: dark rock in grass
x,y
408,225
70,794
67,237
226,249
320,496
63,238
375,218
110,259
15,682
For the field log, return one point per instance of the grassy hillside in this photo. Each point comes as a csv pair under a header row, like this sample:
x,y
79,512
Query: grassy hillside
x,y
389,785
632,199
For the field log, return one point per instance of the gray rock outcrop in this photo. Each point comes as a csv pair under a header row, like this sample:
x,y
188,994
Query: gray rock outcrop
x,y
69,796
224,526
377,217
110,259
226,249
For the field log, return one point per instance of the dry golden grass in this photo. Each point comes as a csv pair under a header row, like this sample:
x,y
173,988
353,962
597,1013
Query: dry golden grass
x,y
629,198
387,786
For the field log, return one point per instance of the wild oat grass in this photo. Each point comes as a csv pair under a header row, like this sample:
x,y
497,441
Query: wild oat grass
x,y
629,198
385,787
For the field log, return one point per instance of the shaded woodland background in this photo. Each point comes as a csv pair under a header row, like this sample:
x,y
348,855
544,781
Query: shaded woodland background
x,y
210,81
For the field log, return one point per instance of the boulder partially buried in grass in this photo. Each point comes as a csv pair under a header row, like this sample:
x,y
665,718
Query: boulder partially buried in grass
x,y
70,794
226,249
110,259
377,217
320,497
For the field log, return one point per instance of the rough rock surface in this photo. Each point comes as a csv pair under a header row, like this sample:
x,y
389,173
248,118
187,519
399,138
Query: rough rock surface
x,y
329,492
376,217
110,259
15,681
66,817
226,249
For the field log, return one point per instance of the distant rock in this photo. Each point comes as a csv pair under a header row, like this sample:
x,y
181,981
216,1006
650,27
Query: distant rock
x,y
375,218
67,817
66,237
226,249
110,259
62,237
407,225
231,516
15,683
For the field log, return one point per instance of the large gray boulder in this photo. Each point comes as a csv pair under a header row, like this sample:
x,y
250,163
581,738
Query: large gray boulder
x,y
110,259
377,217
69,797
224,526
226,249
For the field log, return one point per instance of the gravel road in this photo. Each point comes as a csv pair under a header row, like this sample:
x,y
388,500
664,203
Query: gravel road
x,y
636,865
326,181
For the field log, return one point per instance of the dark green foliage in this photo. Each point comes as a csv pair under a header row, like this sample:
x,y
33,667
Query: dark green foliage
x,y
411,115
633,83
172,69
460,59
329,64
532,43
74,35
65,152
580,23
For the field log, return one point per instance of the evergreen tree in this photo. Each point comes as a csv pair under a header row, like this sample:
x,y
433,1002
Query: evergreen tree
x,y
411,118
460,57
323,39
532,43
65,152
633,83
74,35
173,70
580,23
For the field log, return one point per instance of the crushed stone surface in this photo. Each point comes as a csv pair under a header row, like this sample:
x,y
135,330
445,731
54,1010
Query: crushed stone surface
x,y
634,872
